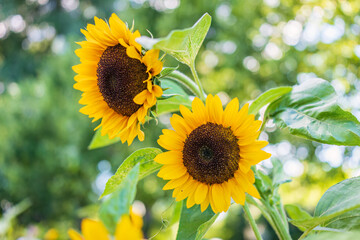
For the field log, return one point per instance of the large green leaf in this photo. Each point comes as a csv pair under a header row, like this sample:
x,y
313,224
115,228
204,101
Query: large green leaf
x,y
311,111
341,202
144,157
331,235
267,97
344,195
182,44
99,141
180,97
194,223
120,201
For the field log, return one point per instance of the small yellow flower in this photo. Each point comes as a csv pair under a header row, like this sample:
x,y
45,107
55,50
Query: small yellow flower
x,y
210,154
128,228
116,78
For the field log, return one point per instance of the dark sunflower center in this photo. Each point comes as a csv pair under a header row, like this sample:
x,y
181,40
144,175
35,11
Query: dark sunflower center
x,y
211,153
120,79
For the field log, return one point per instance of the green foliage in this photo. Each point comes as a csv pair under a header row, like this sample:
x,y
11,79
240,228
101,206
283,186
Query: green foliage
x,y
167,70
121,200
340,202
99,141
267,97
142,157
296,212
194,223
179,97
331,235
311,111
182,44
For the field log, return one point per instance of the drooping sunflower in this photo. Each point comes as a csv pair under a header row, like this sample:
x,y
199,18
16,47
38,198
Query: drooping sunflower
x,y
210,155
116,78
127,228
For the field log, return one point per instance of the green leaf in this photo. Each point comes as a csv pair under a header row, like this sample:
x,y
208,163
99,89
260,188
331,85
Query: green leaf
x,y
194,223
177,212
99,141
267,97
167,70
181,44
120,201
311,111
342,199
172,104
144,157
295,212
332,235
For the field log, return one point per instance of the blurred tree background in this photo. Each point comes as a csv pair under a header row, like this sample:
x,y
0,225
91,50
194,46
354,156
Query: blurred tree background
x,y
252,45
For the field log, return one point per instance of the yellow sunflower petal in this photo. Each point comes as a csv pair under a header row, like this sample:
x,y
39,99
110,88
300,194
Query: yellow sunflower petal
x,y
190,201
219,197
174,183
170,157
151,61
200,111
180,126
186,189
132,41
94,230
118,27
255,157
217,110
74,235
141,97
237,193
254,146
230,111
227,194
205,204
189,117
171,140
157,90
201,193
126,230
133,53
172,171
211,200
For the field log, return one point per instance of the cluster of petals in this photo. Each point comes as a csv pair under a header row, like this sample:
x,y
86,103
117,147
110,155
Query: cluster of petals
x,y
99,37
243,126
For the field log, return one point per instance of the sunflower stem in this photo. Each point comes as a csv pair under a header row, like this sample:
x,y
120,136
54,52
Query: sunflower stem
x,y
283,231
197,80
186,81
252,222
264,212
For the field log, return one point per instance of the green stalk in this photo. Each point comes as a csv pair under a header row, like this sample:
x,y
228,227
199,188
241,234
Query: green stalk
x,y
284,233
283,215
306,232
264,212
252,222
186,81
197,80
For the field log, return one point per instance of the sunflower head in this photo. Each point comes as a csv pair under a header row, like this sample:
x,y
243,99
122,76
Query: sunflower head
x,y
116,78
127,228
210,155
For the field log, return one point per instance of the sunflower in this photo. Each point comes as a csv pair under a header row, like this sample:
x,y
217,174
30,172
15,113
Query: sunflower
x,y
116,78
210,155
128,228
